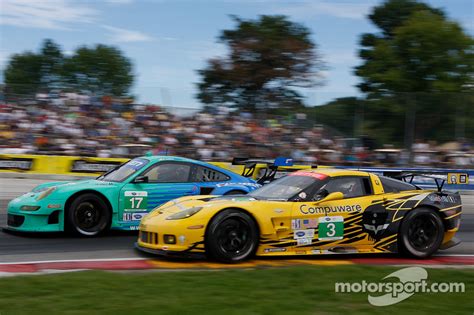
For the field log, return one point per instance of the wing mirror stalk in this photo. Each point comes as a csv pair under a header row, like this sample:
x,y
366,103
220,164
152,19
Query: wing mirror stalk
x,y
141,179
332,197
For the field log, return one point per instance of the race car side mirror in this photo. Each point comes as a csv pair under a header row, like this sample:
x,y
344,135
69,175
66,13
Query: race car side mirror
x,y
337,195
141,179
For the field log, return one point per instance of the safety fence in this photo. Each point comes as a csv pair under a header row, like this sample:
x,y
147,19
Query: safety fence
x,y
456,179
78,165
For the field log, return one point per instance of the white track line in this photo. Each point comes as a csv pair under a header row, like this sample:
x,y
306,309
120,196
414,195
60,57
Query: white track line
x,y
71,260
138,259
455,255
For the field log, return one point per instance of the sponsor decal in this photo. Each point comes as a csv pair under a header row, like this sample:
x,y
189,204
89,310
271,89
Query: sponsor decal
x,y
283,161
298,234
133,216
310,223
136,193
304,241
237,184
16,164
136,201
241,199
443,198
321,251
299,224
295,224
136,164
300,252
274,250
302,195
307,209
182,239
331,228
92,166
457,178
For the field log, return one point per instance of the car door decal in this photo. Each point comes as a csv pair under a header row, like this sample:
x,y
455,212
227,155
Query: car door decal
x,y
135,201
331,228
133,216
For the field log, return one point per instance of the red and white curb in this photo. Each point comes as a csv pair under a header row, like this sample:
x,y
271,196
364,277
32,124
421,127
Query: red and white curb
x,y
123,264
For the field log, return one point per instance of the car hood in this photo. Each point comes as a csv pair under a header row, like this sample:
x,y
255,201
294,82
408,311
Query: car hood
x,y
207,202
75,185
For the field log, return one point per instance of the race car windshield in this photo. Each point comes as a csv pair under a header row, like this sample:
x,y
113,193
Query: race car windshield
x,y
124,171
287,187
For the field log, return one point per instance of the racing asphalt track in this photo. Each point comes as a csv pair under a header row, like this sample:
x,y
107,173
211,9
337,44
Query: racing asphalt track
x,y
119,244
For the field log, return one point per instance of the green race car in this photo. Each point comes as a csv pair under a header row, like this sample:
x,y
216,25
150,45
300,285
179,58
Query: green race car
x,y
120,198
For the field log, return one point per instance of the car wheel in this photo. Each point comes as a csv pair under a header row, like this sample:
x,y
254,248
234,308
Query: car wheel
x,y
421,233
88,215
232,236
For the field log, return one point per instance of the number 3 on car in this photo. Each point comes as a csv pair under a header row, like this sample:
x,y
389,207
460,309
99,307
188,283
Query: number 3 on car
x,y
331,228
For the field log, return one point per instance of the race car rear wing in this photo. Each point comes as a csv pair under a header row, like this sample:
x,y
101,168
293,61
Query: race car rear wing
x,y
410,176
271,167
250,164
426,178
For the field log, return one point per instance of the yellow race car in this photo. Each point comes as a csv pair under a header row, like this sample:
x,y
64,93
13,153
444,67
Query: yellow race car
x,y
307,212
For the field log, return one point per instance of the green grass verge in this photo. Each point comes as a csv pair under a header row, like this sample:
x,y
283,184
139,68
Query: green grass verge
x,y
295,290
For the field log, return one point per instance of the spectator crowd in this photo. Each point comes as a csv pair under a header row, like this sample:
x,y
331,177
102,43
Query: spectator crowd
x,y
74,124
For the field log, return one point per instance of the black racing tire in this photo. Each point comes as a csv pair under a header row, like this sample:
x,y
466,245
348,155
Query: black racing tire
x,y
88,215
231,237
234,192
421,233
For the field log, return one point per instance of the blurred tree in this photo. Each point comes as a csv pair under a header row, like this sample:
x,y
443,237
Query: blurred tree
x,y
269,59
23,74
393,13
102,69
27,72
419,60
338,114
52,61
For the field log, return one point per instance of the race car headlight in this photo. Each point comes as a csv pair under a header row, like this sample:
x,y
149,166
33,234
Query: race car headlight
x,y
29,208
184,214
39,189
169,239
45,193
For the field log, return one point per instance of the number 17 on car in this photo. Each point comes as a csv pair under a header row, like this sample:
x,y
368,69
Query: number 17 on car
x,y
136,200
